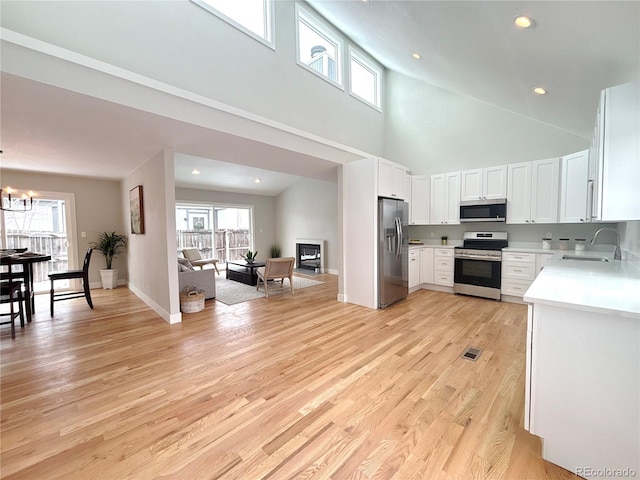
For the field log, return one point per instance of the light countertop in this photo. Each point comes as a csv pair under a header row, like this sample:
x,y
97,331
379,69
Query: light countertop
x,y
605,287
536,247
435,243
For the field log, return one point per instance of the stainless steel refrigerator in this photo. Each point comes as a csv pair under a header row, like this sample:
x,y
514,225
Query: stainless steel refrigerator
x,y
393,265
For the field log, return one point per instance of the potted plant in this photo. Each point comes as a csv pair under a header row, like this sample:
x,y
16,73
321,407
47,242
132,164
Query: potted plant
x,y
250,257
110,244
275,251
443,239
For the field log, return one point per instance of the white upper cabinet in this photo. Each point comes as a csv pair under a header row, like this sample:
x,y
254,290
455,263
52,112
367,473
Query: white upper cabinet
x,y
532,191
391,180
419,206
445,199
437,199
519,193
483,183
494,182
471,184
545,184
614,166
452,209
574,192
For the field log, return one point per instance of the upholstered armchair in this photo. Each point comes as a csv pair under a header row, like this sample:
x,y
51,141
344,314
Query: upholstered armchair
x,y
276,270
194,257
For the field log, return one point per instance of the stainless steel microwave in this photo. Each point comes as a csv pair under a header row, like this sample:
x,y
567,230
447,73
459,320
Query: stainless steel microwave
x,y
494,210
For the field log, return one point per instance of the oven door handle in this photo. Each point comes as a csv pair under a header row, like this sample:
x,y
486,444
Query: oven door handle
x,y
470,257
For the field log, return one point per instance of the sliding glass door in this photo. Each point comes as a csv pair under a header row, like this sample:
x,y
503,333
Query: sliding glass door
x,y
224,232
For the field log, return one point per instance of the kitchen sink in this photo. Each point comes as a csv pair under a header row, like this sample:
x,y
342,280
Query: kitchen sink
x,y
583,257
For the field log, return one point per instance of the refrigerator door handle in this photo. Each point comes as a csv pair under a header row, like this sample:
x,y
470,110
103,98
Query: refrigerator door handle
x,y
399,238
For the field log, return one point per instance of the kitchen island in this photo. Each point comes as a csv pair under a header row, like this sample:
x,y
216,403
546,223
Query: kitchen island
x,y
583,366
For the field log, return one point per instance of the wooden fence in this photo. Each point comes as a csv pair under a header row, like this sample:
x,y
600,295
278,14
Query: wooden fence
x,y
228,245
42,242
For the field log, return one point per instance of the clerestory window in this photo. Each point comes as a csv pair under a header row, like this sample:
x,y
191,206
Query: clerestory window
x,y
253,17
319,48
365,78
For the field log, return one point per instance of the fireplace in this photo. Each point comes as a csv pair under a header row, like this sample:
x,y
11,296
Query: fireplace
x,y
309,254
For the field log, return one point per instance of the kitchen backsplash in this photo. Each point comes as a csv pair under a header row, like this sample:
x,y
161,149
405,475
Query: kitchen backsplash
x,y
520,233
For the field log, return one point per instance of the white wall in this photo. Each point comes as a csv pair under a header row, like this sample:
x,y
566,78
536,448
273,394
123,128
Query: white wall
x,y
630,239
431,130
153,274
264,212
309,209
185,46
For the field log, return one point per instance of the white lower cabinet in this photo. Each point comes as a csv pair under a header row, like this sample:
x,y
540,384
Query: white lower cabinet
x,y
443,266
430,266
414,268
581,363
426,265
519,270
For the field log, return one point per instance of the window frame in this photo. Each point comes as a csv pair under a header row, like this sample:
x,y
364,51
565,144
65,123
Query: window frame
x,y
323,29
212,206
371,66
268,21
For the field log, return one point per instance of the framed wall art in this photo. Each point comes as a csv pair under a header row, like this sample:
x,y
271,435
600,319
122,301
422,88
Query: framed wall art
x,y
136,209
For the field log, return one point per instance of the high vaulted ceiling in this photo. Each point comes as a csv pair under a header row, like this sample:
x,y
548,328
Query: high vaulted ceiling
x,y
473,48
574,50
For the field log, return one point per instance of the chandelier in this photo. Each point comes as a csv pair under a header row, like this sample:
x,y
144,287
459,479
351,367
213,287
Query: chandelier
x,y
14,201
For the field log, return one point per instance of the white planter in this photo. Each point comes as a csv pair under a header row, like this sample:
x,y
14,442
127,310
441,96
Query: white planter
x,y
109,278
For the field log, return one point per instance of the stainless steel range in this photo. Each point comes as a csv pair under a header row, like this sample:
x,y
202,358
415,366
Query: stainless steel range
x,y
478,264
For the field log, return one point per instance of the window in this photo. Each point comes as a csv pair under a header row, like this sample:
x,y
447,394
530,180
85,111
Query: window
x,y
319,49
364,79
253,17
45,228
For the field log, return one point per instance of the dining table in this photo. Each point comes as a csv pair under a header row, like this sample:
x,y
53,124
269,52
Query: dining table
x,y
27,260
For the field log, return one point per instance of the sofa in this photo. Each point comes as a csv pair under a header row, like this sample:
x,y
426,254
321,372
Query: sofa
x,y
203,279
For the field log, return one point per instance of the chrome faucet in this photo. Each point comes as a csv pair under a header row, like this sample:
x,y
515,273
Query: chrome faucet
x,y
617,255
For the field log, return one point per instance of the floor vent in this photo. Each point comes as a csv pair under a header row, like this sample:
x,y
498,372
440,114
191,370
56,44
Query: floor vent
x,y
471,353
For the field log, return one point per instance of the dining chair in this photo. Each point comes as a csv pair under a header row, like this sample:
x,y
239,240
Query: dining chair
x,y
276,270
194,257
69,275
11,292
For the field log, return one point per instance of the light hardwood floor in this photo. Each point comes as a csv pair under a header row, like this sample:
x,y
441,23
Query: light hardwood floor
x,y
289,387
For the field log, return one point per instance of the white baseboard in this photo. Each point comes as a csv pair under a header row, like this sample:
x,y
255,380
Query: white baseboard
x,y
98,285
168,317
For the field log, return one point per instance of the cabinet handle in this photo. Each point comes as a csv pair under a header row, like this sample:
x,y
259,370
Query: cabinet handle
x,y
590,185
533,221
527,221
582,219
515,270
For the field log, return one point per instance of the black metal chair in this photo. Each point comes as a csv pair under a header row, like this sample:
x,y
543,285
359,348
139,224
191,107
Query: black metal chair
x,y
69,275
11,292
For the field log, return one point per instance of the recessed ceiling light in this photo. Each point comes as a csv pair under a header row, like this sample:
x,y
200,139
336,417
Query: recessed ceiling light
x,y
540,91
195,171
417,56
257,180
523,21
